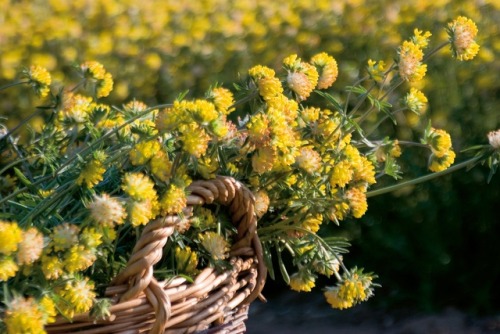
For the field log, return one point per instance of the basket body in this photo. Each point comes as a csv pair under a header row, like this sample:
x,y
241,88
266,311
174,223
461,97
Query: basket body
x,y
215,302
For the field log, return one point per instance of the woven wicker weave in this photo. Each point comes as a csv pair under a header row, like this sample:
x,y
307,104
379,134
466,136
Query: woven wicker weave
x,y
216,302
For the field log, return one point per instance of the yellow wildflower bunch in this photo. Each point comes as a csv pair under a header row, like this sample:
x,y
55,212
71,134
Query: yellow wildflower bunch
x,y
95,175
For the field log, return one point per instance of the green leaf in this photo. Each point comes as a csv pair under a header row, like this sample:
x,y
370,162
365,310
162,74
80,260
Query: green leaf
x,y
284,272
268,260
331,99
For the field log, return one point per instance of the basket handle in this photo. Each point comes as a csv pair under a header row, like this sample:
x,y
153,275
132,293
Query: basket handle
x,y
148,250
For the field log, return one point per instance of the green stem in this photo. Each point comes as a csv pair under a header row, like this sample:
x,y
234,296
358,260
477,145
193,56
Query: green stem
x,y
14,84
424,178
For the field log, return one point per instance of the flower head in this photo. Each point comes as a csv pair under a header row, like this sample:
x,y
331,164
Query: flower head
x,y
462,33
64,236
303,280
8,268
494,139
223,100
215,244
161,166
77,296
143,151
107,210
174,200
78,258
261,203
10,236
30,248
416,101
421,39
39,78
141,212
186,260
308,159
93,171
302,77
138,186
410,62
23,315
327,68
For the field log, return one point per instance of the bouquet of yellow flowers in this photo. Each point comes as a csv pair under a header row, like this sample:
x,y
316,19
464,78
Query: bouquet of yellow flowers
x,y
77,196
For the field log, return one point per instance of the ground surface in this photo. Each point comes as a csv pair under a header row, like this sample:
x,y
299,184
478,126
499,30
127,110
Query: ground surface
x,y
293,313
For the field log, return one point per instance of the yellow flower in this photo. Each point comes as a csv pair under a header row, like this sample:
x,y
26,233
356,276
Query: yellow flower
x,y
203,111
48,307
91,238
263,159
52,267
215,244
138,186
312,222
75,109
203,218
174,200
364,170
107,210
161,166
269,87
194,139
96,74
39,78
207,167
302,281
416,101
302,77
78,258
77,296
438,164
342,174
357,202
494,139
93,171
93,70
23,315
105,86
261,203
410,65
223,100
30,248
186,260
259,72
10,236
376,70
327,68
64,236
309,160
135,107
258,129
439,141
336,301
141,212
8,268
309,115
462,33
142,152
421,39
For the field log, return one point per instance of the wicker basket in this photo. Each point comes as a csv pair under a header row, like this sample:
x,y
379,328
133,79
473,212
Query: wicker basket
x,y
216,302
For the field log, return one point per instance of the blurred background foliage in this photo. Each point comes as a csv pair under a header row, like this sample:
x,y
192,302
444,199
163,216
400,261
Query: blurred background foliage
x,y
432,245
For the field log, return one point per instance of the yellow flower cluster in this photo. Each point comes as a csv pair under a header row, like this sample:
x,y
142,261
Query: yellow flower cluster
x,y
308,163
462,32
355,288
443,155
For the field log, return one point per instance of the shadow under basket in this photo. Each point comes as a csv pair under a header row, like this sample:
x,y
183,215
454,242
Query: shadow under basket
x,y
215,302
